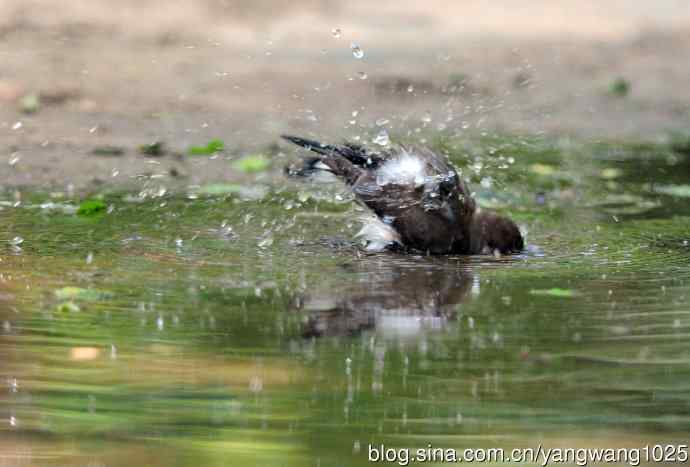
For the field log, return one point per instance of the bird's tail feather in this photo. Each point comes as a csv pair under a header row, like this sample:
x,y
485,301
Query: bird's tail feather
x,y
332,156
311,145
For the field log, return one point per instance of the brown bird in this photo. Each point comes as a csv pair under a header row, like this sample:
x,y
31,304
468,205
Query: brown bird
x,y
420,202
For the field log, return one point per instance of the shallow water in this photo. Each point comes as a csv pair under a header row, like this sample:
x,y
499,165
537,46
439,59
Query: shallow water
x,y
247,329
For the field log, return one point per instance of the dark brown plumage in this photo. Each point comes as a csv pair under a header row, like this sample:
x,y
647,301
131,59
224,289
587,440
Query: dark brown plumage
x,y
419,197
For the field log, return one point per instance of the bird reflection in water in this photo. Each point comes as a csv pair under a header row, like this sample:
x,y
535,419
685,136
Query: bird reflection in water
x,y
400,299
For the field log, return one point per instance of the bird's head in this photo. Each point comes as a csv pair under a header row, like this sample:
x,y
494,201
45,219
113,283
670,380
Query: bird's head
x,y
493,232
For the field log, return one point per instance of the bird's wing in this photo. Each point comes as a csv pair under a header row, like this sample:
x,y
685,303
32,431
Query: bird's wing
x,y
444,187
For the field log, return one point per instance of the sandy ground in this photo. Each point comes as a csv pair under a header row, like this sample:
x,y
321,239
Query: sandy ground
x,y
131,72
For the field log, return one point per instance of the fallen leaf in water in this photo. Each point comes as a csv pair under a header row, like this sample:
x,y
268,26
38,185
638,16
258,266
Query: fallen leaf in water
x,y
680,191
67,307
554,292
81,354
78,293
542,169
91,207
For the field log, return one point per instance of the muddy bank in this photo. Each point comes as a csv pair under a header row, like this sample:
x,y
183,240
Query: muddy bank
x,y
75,80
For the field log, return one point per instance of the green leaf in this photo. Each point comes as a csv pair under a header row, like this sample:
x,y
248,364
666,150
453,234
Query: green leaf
x,y
681,191
252,164
554,292
620,87
542,169
213,146
611,173
30,104
155,149
219,189
78,293
91,207
108,151
67,307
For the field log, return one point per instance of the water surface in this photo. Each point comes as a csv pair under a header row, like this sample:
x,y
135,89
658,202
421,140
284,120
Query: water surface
x,y
206,328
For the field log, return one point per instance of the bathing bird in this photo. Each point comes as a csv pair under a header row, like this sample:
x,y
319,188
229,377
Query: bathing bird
x,y
418,200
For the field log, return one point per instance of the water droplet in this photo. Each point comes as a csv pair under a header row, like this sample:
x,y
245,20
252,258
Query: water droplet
x,y
336,32
89,258
426,118
382,138
362,75
355,113
18,125
16,241
160,323
410,88
357,51
13,421
381,121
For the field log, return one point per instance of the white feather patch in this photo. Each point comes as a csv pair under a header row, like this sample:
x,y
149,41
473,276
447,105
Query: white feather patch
x,y
377,234
405,169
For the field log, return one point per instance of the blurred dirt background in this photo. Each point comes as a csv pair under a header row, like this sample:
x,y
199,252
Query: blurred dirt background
x,y
76,75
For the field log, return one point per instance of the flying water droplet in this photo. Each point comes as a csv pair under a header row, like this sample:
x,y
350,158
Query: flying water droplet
x,y
410,88
336,32
357,51
426,118
362,75
382,138
382,121
16,241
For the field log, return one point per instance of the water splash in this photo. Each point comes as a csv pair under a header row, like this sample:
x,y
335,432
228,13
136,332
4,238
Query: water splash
x,y
382,138
357,51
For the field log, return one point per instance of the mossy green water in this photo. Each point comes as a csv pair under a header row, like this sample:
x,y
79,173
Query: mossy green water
x,y
242,326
